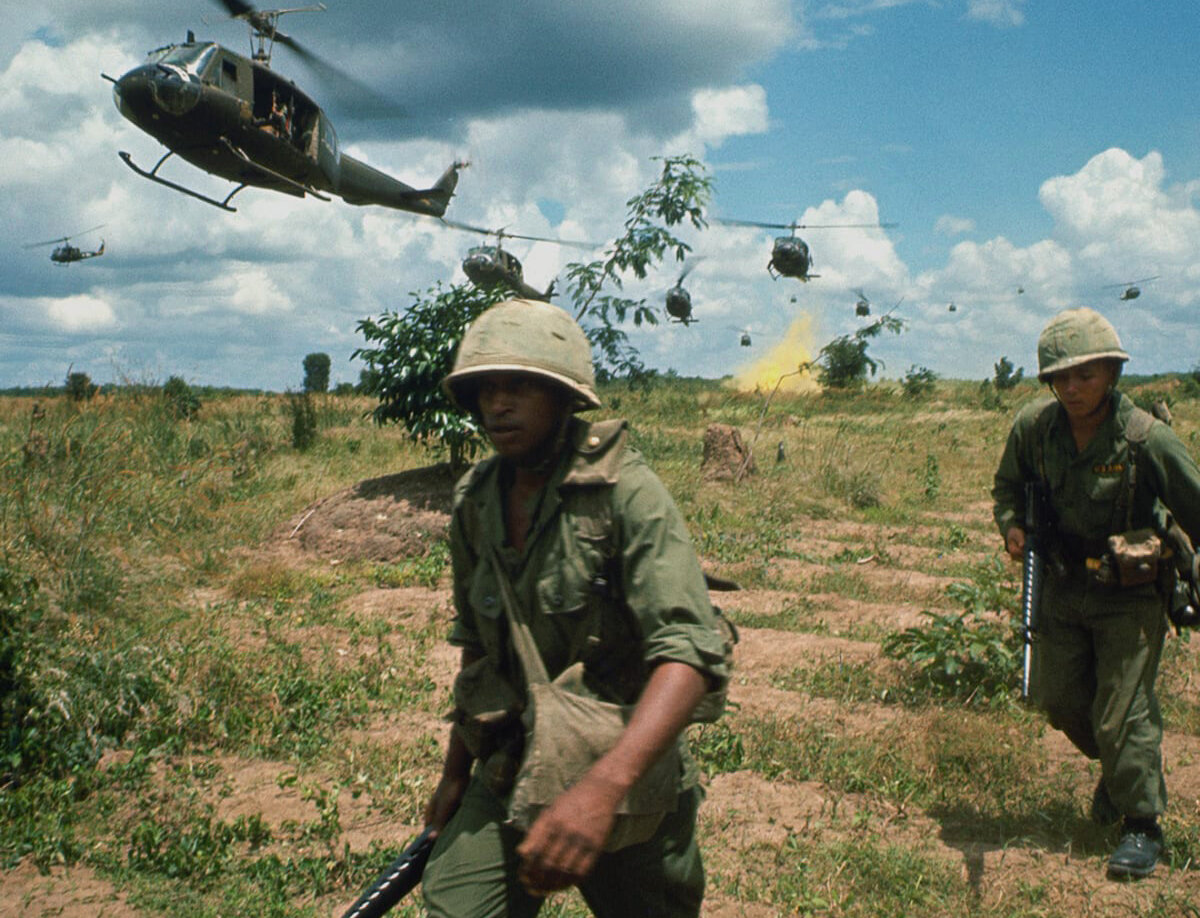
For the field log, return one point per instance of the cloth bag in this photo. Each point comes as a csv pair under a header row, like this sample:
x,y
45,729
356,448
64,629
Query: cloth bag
x,y
566,731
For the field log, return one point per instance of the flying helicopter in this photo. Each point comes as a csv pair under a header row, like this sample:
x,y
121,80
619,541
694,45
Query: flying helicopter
x,y
679,301
64,253
235,118
1131,291
744,339
790,255
488,265
863,306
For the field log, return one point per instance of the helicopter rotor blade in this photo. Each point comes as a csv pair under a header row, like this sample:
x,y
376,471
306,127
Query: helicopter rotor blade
x,y
366,102
1144,280
796,226
502,234
64,239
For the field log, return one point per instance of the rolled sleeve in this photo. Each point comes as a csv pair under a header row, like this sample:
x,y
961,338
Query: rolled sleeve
x,y
662,580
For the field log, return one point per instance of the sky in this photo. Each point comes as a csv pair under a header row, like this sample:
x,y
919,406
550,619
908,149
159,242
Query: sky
x,y
1031,154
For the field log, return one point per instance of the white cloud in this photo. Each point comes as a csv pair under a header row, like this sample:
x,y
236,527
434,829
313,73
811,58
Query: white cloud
x,y
950,225
1001,13
722,113
74,314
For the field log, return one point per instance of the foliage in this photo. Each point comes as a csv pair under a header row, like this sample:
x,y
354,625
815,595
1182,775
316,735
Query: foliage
x,y
969,655
1005,378
932,478
304,420
316,372
918,382
411,354
843,363
182,401
79,387
680,194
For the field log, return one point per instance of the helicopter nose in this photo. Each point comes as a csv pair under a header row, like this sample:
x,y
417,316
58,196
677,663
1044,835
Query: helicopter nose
x,y
154,88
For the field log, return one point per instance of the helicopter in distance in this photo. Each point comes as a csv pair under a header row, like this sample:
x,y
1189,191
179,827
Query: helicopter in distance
x,y
679,301
489,265
790,255
1132,291
236,118
863,306
744,339
64,253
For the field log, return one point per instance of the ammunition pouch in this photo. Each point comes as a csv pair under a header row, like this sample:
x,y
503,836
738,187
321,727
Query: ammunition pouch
x,y
487,718
1131,559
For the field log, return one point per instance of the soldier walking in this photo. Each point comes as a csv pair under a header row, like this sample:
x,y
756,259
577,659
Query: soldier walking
x,y
1110,470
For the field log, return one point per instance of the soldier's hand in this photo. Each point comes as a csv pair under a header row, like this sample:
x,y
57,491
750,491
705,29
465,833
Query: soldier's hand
x,y
445,801
1014,543
562,845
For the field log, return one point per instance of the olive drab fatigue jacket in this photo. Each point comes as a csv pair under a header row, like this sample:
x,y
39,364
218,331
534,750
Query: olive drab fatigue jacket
x,y
608,574
1086,486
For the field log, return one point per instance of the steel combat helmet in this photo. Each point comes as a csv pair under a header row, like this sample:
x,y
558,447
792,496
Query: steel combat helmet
x,y
1076,336
524,336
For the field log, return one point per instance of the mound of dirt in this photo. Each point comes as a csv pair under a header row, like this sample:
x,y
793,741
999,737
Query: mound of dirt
x,y
379,519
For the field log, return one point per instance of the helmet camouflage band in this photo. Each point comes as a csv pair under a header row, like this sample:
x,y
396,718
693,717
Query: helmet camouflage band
x,y
1076,336
524,336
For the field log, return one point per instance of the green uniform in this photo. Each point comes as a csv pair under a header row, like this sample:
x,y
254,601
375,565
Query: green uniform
x,y
1099,646
608,576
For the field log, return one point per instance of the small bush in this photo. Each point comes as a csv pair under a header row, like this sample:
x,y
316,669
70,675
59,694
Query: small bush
x,y
918,382
304,421
182,402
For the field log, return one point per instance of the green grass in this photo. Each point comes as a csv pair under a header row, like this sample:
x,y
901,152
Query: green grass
x,y
147,644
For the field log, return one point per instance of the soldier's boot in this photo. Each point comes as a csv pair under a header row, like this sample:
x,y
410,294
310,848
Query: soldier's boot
x,y
1138,851
1104,812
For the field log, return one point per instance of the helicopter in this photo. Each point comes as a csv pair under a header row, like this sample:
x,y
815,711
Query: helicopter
x,y
64,253
863,306
679,301
235,118
1131,291
488,265
744,339
790,255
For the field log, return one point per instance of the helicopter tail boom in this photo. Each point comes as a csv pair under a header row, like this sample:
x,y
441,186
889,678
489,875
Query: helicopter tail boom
x,y
362,184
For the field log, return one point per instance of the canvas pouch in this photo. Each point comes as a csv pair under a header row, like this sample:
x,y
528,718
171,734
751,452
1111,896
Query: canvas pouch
x,y
1135,556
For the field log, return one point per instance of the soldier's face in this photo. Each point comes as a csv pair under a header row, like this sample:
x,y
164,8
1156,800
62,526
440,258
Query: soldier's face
x,y
521,414
1085,388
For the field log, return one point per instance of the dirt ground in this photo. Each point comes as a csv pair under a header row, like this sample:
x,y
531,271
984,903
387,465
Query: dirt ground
x,y
399,515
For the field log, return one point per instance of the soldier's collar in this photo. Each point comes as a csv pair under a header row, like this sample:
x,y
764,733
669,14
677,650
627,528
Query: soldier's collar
x,y
596,450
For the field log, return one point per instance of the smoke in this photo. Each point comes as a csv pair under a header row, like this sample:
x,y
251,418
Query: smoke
x,y
780,364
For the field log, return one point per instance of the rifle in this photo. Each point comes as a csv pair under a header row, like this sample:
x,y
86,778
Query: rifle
x,y
1037,528
396,882
1183,600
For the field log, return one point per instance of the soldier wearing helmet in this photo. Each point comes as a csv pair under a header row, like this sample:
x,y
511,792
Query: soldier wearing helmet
x,y
603,570
1109,468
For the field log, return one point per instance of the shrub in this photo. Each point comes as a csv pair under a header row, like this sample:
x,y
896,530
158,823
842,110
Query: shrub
x,y
304,420
1005,378
918,382
182,401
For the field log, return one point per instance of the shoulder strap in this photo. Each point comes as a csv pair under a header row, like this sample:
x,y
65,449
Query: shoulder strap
x,y
1137,429
1041,429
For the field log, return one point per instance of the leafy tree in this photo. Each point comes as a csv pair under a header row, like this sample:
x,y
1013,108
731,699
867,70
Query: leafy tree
x,y
316,373
843,363
681,193
180,398
1005,378
80,387
410,354
918,381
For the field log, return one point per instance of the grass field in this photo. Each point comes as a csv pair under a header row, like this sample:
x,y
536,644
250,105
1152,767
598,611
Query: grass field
x,y
228,710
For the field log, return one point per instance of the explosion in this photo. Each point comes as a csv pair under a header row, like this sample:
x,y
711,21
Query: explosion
x,y
779,365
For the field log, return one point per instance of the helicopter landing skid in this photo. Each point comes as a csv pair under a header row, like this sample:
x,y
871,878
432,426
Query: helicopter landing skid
x,y
152,175
299,186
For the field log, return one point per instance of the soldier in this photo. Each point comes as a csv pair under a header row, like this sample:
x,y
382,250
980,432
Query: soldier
x,y
601,562
1109,468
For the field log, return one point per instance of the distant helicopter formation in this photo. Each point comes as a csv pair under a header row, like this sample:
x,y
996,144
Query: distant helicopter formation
x,y
235,118
64,253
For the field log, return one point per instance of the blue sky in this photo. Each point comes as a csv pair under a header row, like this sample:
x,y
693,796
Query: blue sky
x,y
1053,147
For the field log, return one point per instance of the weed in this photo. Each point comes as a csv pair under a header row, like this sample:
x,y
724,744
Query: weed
x,y
931,479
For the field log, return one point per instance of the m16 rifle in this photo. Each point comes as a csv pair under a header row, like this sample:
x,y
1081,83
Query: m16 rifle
x,y
396,882
1037,539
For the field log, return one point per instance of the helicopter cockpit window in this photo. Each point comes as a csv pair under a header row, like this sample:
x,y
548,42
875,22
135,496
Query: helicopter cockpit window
x,y
192,58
